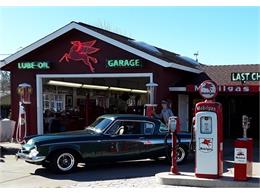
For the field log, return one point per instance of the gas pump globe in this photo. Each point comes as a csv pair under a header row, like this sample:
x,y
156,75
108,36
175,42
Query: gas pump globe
x,y
149,107
25,91
172,125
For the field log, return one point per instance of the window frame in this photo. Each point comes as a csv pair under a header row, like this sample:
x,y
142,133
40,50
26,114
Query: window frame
x,y
131,120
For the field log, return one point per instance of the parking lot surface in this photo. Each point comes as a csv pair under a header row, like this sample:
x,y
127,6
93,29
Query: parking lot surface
x,y
122,174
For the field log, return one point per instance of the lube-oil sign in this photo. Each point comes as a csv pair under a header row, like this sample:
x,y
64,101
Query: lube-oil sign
x,y
33,65
124,63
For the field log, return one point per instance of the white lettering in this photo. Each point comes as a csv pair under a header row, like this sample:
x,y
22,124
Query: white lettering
x,y
238,89
230,88
245,89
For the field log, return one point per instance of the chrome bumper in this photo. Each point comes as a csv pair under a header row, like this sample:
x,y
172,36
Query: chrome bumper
x,y
27,158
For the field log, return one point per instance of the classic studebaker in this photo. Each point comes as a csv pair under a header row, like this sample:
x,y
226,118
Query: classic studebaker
x,y
109,138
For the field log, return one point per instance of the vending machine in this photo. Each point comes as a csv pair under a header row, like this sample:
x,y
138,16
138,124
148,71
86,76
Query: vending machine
x,y
208,133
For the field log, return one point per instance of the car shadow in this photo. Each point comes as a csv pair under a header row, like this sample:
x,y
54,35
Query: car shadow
x,y
134,169
112,171
6,151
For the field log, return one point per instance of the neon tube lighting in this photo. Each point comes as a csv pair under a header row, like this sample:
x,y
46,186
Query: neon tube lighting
x,y
119,89
95,87
138,91
100,87
65,84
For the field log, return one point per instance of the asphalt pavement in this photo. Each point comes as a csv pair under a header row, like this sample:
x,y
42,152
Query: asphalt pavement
x,y
122,174
139,174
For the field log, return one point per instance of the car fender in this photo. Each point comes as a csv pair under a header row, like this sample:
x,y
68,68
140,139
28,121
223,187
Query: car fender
x,y
74,147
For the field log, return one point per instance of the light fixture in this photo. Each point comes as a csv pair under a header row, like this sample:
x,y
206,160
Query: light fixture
x,y
119,89
98,87
138,91
64,84
95,87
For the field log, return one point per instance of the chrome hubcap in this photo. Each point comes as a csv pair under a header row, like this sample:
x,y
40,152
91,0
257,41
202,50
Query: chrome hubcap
x,y
180,154
65,161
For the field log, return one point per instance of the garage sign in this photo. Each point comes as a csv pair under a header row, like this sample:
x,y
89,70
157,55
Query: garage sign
x,y
124,63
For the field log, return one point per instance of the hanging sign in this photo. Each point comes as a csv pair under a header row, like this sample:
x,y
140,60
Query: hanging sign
x,y
229,88
33,65
124,63
208,89
245,76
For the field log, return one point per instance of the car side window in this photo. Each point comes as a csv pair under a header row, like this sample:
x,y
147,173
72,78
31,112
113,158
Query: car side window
x,y
116,128
148,128
132,128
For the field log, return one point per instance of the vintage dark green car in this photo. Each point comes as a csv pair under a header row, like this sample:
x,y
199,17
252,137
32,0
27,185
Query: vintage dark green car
x,y
109,138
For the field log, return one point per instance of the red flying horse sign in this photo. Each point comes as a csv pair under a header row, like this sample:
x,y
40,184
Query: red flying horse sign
x,y
81,51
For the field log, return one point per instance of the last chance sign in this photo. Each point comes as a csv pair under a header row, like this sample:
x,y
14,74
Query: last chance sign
x,y
245,76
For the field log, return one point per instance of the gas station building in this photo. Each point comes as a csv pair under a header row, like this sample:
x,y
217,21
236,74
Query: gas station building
x,y
80,72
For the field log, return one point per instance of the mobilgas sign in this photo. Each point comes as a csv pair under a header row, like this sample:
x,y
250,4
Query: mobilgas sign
x,y
124,63
245,76
33,65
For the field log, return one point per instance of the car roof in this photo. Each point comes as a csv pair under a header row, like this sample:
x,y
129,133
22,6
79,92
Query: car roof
x,y
128,116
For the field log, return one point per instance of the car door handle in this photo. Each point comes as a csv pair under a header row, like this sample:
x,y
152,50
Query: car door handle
x,y
141,137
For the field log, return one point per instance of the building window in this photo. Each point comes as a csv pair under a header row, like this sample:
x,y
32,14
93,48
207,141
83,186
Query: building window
x,y
54,102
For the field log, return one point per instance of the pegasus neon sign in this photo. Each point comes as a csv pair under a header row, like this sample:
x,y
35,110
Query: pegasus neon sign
x,y
81,51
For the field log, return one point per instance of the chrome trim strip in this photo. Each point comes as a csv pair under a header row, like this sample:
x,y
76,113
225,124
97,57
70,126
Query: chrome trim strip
x,y
26,157
111,140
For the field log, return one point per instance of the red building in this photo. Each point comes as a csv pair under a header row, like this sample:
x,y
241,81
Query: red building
x,y
238,87
80,72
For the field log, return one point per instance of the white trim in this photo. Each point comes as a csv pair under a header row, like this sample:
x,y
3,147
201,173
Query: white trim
x,y
98,75
177,89
39,91
39,105
36,44
183,111
102,37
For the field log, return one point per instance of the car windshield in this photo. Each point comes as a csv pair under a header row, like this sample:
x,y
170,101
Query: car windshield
x,y
99,125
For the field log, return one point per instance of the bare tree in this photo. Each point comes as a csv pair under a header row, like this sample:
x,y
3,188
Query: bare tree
x,y
107,26
4,81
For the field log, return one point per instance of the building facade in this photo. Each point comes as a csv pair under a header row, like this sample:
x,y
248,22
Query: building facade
x,y
80,72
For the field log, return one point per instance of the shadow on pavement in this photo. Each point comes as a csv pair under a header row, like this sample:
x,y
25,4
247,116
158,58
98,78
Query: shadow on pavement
x,y
118,170
134,169
7,151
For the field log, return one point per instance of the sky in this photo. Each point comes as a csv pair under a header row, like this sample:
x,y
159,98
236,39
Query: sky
x,y
222,35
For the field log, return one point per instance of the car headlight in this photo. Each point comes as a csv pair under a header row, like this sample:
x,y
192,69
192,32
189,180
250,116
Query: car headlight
x,y
33,152
30,142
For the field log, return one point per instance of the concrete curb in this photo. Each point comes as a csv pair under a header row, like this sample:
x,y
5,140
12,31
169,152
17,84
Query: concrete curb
x,y
189,179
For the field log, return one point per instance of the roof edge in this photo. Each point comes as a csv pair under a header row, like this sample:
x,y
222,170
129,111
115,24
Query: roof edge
x,y
77,26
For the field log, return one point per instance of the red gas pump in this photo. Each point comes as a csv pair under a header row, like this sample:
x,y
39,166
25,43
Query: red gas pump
x,y
208,133
243,154
173,126
24,90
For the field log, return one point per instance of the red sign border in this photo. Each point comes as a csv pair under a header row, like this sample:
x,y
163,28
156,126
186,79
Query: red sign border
x,y
216,86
